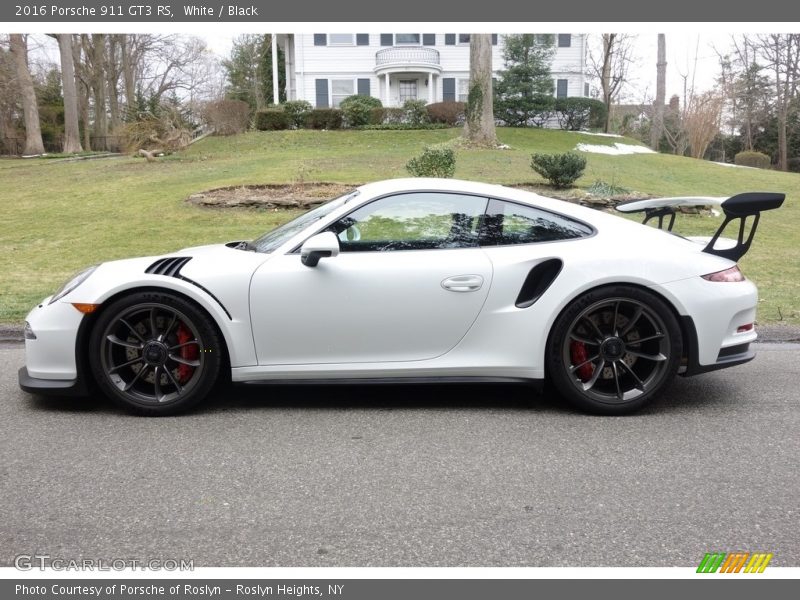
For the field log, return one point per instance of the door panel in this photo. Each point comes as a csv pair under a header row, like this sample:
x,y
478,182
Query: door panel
x,y
366,306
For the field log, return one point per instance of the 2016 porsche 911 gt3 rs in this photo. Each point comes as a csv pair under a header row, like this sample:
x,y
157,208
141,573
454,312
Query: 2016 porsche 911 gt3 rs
x,y
412,280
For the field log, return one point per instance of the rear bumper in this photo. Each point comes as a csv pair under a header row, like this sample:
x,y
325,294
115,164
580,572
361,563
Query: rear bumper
x,y
50,387
726,357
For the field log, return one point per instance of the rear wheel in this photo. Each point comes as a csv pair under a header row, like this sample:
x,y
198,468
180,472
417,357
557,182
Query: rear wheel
x,y
613,349
155,353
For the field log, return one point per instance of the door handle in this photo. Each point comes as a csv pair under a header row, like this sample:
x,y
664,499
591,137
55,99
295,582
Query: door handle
x,y
463,283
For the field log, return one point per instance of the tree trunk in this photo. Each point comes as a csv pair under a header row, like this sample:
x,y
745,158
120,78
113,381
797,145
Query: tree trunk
x,y
128,74
72,135
112,80
479,124
657,128
98,82
30,108
605,76
81,87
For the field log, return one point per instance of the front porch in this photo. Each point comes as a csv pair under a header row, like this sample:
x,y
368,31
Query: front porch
x,y
407,73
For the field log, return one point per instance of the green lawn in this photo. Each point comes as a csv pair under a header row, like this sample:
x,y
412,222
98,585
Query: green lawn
x,y
60,216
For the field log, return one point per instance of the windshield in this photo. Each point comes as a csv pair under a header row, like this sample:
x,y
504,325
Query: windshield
x,y
278,236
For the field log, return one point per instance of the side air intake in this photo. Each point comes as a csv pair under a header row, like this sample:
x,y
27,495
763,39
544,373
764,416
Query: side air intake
x,y
538,280
169,267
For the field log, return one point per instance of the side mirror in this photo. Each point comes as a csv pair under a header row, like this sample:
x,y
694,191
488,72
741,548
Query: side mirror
x,y
322,245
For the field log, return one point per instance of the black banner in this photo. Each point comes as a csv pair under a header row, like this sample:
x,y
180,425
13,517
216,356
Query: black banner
x,y
498,11
391,589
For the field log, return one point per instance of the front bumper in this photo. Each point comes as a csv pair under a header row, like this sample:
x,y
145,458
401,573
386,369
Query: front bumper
x,y
50,387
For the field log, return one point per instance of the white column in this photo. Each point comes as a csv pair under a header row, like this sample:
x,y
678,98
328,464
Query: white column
x,y
430,88
386,91
275,95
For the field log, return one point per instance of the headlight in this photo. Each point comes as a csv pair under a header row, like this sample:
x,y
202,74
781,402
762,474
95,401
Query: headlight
x,y
72,284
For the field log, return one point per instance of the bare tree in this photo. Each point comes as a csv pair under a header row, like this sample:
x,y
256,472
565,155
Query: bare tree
x,y
657,127
611,67
30,108
479,127
781,51
701,121
112,63
72,136
82,87
9,93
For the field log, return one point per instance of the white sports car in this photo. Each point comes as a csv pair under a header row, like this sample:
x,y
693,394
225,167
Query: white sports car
x,y
412,280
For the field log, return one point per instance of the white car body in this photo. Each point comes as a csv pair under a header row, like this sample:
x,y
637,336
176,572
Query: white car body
x,y
413,314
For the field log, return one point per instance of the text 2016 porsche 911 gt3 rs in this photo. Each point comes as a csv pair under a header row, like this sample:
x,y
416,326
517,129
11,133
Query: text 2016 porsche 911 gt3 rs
x,y
411,280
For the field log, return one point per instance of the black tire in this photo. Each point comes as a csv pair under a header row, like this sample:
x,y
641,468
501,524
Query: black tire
x,y
155,353
613,349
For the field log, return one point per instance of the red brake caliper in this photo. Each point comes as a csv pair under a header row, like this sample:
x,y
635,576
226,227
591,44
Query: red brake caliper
x,y
188,352
577,351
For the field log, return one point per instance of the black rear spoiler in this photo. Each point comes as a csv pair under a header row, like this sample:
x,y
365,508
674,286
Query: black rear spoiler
x,y
736,208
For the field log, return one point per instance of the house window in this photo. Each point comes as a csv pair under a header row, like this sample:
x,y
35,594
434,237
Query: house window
x,y
586,89
463,38
341,39
561,88
564,40
463,90
341,89
544,39
406,38
408,90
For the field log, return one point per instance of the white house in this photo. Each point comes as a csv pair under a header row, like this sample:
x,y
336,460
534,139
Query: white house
x,y
325,68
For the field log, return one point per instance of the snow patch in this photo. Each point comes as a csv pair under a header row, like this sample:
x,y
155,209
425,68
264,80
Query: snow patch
x,y
616,149
611,135
724,164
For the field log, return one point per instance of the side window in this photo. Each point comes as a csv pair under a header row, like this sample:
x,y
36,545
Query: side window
x,y
507,223
415,221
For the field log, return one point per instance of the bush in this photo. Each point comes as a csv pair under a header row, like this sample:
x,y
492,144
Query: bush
x,y
575,114
523,112
324,118
752,159
298,111
393,115
433,162
357,110
403,126
272,119
227,117
376,116
561,170
416,112
450,113
794,164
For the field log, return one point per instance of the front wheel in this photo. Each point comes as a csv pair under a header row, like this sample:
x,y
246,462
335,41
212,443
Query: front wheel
x,y
613,349
155,353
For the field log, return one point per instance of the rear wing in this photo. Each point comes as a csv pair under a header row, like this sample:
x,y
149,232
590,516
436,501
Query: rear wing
x,y
736,208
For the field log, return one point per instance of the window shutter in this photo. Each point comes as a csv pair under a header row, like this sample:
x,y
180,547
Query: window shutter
x,y
449,89
363,87
322,93
386,39
564,40
362,39
428,39
561,88
494,39
586,89
320,39
450,39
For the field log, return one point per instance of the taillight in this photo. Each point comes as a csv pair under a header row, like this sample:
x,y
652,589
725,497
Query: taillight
x,y
732,274
744,328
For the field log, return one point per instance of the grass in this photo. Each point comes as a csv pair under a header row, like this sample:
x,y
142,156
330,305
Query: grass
x,y
60,216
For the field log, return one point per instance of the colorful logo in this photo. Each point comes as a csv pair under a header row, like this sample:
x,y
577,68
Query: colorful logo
x,y
734,562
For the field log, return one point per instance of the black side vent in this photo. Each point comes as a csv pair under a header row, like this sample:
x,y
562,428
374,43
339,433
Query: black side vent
x,y
537,282
169,267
